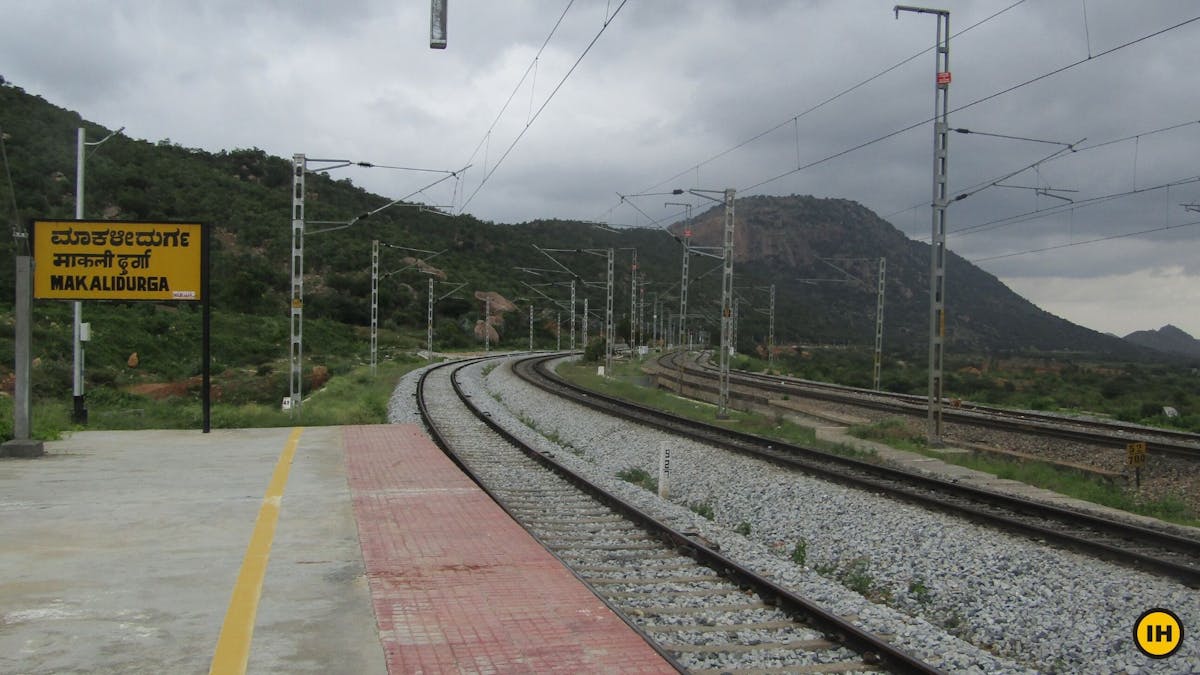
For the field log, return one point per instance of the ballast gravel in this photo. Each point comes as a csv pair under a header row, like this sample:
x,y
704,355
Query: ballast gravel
x,y
965,598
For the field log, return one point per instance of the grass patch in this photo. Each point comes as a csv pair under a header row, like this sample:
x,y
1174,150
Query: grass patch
x,y
893,432
856,575
640,478
743,528
629,383
353,398
800,552
702,509
919,590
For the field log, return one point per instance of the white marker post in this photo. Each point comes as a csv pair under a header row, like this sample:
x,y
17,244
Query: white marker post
x,y
664,470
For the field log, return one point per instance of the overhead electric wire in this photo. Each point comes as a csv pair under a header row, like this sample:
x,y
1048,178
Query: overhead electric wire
x,y
545,103
989,97
1089,241
368,214
1058,208
517,88
980,187
822,104
1058,156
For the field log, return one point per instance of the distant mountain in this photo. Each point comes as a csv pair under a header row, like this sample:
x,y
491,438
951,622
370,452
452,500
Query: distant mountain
x,y
824,254
1167,339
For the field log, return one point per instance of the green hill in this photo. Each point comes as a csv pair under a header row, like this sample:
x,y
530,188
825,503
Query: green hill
x,y
244,195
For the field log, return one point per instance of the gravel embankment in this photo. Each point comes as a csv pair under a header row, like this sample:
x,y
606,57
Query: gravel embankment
x,y
1164,477
915,573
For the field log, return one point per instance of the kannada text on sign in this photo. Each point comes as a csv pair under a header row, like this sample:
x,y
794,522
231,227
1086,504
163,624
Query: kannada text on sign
x,y
106,260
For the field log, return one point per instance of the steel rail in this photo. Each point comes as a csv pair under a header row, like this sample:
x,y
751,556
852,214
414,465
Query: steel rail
x,y
869,645
1176,556
1106,434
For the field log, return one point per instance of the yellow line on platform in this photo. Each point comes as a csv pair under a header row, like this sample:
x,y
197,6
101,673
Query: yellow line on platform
x,y
233,646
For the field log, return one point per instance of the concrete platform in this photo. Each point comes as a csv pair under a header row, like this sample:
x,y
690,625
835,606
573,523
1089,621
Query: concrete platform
x,y
238,551
121,550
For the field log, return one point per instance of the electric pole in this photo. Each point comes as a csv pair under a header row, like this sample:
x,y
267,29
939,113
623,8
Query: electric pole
x,y
80,330
632,301
611,333
429,322
771,331
374,303
297,306
726,310
937,276
879,324
487,325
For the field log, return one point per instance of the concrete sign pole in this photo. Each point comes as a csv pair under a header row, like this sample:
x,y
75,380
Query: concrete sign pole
x,y
22,445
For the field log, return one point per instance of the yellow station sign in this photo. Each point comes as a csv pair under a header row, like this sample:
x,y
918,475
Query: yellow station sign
x,y
111,260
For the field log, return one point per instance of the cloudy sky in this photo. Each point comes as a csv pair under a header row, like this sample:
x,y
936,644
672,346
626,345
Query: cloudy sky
x,y
668,96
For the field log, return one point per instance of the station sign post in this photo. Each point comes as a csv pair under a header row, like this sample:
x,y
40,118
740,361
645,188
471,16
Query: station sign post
x,y
127,261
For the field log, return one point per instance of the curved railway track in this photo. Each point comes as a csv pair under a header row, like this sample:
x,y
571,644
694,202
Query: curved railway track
x,y
1101,433
702,611
1159,551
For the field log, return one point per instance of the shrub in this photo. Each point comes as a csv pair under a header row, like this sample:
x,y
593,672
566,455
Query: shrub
x,y
703,509
639,477
800,552
594,351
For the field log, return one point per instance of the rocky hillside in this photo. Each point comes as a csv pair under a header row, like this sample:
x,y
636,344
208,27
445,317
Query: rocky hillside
x,y
823,255
1167,339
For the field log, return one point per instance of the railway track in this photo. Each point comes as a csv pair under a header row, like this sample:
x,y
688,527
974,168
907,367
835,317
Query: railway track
x,y
1159,551
1093,432
702,611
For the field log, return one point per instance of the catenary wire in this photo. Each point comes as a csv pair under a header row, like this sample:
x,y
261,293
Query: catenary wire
x,y
1056,209
545,103
1089,241
977,101
1075,151
831,99
517,88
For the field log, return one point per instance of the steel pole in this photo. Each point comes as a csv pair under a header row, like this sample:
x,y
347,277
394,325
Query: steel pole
x,y
429,322
295,378
879,324
771,331
726,306
79,415
374,304
632,300
610,330
937,247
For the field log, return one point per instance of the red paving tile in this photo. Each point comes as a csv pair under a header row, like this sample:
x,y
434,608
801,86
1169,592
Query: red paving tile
x,y
457,585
